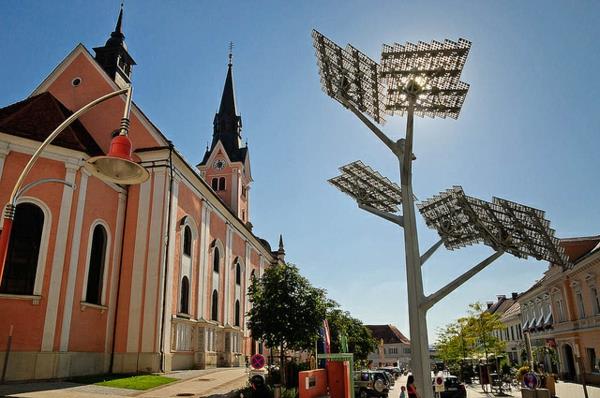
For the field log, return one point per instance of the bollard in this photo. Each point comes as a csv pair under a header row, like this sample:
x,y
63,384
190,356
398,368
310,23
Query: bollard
x,y
277,391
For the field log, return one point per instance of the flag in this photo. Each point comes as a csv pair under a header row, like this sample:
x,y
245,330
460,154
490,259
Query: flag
x,y
327,338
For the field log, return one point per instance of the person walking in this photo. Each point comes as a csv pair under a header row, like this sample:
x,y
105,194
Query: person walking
x,y
410,387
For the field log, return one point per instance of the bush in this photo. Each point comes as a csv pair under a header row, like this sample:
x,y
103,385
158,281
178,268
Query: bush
x,y
289,393
521,372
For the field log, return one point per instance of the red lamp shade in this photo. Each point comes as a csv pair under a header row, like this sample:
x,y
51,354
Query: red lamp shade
x,y
117,166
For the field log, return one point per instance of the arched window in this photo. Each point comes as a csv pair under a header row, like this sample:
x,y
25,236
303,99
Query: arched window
x,y
187,241
216,260
221,183
237,312
23,250
215,184
185,292
238,274
93,292
215,306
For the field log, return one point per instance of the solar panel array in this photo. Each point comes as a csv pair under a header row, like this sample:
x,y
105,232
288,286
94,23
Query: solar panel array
x,y
348,74
462,220
436,66
368,187
378,90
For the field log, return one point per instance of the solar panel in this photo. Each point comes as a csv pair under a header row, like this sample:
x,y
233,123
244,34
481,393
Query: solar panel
x,y
368,187
349,75
435,66
520,230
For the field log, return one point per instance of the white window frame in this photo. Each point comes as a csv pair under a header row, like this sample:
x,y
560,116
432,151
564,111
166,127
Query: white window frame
x,y
44,243
186,221
106,264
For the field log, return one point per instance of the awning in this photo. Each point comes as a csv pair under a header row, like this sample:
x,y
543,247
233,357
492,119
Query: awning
x,y
548,321
540,322
525,326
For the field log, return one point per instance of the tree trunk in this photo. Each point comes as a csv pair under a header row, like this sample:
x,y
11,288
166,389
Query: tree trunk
x,y
282,365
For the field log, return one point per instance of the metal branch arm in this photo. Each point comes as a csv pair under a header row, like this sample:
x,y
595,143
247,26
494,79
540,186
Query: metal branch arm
x,y
450,287
380,134
399,220
431,250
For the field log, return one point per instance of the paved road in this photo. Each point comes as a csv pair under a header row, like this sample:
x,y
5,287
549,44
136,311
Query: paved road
x,y
205,383
193,383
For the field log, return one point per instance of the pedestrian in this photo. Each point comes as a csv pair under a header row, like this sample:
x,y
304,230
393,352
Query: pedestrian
x,y
410,387
402,392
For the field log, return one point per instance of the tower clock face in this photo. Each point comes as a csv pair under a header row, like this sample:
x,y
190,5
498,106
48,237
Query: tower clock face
x,y
219,164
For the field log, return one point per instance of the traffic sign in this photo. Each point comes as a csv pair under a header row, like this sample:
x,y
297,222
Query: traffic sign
x,y
257,361
531,380
439,384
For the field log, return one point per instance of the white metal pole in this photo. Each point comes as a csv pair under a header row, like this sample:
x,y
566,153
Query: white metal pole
x,y
414,282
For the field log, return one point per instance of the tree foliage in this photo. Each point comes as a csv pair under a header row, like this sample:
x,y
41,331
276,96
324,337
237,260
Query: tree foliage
x,y
360,340
286,310
471,335
482,325
455,342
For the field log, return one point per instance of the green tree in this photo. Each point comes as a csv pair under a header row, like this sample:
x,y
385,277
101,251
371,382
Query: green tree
x,y
360,340
481,326
455,343
287,310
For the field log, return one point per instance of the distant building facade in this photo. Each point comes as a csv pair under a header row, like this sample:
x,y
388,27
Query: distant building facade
x,y
562,310
103,277
393,346
508,311
513,333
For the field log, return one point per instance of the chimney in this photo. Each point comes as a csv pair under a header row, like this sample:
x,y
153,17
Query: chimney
x,y
515,295
501,297
489,304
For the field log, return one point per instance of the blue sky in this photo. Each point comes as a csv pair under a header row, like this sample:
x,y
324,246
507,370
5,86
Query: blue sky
x,y
528,130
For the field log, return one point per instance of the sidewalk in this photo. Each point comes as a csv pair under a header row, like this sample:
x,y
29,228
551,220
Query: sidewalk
x,y
563,390
193,383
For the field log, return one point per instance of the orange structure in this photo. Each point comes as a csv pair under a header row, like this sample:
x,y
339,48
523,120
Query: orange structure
x,y
105,277
312,383
338,379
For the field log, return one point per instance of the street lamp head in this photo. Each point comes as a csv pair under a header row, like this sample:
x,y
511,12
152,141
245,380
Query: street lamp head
x,y
118,166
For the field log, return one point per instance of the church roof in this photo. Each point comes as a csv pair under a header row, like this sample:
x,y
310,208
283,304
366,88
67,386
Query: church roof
x,y
36,117
389,333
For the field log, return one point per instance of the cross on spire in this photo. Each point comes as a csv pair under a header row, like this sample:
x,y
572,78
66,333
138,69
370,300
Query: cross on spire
x,y
230,53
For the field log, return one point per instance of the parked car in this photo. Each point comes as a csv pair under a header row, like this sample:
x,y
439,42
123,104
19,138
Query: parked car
x,y
371,383
452,386
396,372
389,376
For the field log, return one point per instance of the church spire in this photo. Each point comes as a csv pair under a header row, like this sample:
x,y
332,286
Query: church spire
x,y
113,56
119,23
281,251
227,125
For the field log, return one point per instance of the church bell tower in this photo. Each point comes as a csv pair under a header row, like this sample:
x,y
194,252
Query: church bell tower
x,y
226,164
114,58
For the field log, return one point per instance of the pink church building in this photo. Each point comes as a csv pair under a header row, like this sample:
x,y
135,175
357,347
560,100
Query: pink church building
x,y
106,278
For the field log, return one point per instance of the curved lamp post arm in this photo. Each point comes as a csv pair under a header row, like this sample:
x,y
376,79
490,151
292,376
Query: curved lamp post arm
x,y
27,187
61,128
9,211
